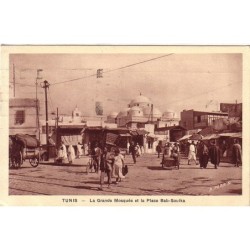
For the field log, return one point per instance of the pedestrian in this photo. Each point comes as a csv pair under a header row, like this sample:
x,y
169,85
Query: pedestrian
x,y
106,165
64,152
71,154
118,165
203,154
97,157
214,154
192,153
158,149
79,150
128,146
110,164
236,153
175,152
132,150
138,150
166,153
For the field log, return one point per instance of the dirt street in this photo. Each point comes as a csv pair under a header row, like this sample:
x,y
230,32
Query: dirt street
x,y
146,177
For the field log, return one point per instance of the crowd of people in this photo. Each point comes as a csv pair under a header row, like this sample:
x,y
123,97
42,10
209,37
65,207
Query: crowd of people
x,y
200,153
109,161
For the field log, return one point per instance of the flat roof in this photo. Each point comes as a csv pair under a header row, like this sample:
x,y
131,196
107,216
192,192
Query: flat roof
x,y
206,112
170,127
22,102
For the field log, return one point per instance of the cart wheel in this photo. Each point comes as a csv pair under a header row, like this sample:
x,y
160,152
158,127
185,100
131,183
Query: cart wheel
x,y
34,162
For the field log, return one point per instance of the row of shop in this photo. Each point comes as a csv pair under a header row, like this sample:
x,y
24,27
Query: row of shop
x,y
224,141
122,137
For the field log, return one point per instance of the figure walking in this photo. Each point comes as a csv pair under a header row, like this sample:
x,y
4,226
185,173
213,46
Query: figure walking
x,y
158,149
176,155
71,154
118,165
192,153
203,154
236,153
132,150
214,154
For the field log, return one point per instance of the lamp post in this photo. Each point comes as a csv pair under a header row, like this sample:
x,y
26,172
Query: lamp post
x,y
46,86
38,77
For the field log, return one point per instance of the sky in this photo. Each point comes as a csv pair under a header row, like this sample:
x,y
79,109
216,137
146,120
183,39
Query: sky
x,y
172,81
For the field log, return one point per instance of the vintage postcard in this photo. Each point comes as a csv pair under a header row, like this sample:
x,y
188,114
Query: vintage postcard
x,y
124,125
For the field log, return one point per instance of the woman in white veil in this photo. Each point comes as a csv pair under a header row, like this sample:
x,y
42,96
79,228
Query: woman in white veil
x,y
71,154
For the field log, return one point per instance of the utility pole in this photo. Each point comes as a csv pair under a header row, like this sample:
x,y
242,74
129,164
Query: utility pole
x,y
37,108
46,86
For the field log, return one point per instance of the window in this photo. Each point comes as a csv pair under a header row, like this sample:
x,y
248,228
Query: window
x,y
19,117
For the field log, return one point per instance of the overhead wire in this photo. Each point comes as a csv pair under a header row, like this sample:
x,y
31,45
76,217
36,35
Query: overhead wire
x,y
202,93
112,70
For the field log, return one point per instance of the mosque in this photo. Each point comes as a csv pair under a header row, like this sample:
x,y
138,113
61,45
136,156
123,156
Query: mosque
x,y
140,112
142,117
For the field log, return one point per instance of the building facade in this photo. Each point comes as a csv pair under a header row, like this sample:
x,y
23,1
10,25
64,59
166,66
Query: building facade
x,y
23,116
191,119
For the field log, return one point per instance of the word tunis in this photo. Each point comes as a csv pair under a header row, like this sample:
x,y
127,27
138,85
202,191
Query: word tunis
x,y
69,200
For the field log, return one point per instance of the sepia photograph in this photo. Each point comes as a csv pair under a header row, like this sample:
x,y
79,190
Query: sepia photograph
x,y
133,124
129,113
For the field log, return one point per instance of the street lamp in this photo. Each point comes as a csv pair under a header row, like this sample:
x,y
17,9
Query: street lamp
x,y
38,77
46,86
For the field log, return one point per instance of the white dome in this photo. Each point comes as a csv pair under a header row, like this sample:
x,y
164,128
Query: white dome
x,y
169,114
136,111
156,112
123,112
113,114
135,108
140,99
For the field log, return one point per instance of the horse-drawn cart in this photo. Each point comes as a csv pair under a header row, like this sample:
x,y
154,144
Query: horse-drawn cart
x,y
23,147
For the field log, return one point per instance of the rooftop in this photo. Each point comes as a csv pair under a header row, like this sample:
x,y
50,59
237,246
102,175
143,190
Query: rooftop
x,y
22,102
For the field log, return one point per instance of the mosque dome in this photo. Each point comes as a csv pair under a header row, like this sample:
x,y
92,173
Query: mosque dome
x,y
113,114
136,111
123,112
140,101
169,114
156,112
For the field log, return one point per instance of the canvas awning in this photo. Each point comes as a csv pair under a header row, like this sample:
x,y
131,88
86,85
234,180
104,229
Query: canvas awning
x,y
152,135
125,135
195,137
185,137
210,137
138,132
27,140
234,135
